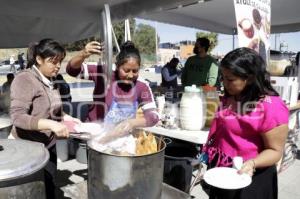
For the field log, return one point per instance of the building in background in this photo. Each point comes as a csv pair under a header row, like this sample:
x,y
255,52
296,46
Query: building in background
x,y
181,50
166,51
186,49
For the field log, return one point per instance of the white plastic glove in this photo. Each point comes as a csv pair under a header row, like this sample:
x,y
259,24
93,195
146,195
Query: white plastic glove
x,y
121,130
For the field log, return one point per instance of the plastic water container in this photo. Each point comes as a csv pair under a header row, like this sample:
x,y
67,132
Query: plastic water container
x,y
192,109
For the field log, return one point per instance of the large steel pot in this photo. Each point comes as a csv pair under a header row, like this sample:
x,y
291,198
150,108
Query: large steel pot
x,y
21,169
5,126
125,177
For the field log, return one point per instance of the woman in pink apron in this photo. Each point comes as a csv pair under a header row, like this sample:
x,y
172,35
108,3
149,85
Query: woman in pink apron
x,y
118,102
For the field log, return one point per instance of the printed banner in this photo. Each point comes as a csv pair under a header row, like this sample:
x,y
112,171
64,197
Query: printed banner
x,y
253,18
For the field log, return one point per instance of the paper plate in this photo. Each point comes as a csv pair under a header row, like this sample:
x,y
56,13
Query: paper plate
x,y
226,178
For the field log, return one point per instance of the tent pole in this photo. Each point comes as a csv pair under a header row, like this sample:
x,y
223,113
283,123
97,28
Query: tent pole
x,y
233,40
275,35
115,39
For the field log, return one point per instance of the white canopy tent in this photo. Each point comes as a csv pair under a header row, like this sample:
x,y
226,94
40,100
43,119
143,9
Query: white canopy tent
x,y
22,22
25,21
219,15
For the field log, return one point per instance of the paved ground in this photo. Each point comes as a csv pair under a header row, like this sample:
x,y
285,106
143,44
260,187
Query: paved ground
x,y
288,182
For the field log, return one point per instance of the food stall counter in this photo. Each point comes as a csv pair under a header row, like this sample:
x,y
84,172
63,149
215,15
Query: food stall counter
x,y
197,137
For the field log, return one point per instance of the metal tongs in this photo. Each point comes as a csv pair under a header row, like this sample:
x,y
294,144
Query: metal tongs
x,y
81,135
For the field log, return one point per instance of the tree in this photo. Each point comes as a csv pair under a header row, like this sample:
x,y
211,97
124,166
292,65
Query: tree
x,y
119,28
79,45
213,38
144,38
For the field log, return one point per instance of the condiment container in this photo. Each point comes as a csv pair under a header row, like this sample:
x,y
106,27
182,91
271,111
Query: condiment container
x,y
192,108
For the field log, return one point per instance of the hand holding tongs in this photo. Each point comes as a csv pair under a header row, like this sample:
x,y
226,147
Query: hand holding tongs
x,y
74,134
80,135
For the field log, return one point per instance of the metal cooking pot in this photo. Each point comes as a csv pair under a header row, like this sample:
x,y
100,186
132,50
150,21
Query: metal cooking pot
x,y
21,169
125,177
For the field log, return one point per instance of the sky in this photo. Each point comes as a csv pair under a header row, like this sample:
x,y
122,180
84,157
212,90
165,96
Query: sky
x,y
180,33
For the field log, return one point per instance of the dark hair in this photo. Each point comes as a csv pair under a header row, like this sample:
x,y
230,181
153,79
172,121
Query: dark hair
x,y
45,48
128,50
59,77
174,60
248,64
10,76
297,58
203,42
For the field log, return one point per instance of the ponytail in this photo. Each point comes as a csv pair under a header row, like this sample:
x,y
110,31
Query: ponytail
x,y
44,48
31,54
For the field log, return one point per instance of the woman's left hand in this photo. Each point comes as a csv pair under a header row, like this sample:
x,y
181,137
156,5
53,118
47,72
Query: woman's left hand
x,y
248,168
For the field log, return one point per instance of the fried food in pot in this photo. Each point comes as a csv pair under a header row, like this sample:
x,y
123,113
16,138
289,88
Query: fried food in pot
x,y
145,144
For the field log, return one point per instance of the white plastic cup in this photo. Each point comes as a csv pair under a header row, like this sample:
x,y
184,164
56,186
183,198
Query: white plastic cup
x,y
160,100
238,162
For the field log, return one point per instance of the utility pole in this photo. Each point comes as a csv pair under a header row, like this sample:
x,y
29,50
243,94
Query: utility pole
x,y
275,41
277,36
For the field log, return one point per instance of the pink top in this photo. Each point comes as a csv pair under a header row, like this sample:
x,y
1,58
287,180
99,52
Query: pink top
x,y
233,134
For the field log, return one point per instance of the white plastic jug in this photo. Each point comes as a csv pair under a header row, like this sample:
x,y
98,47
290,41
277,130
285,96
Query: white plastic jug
x,y
192,109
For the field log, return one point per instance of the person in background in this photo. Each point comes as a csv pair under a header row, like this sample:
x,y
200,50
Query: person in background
x,y
21,61
12,64
63,88
6,85
251,122
169,74
200,69
297,60
127,92
36,107
65,93
5,94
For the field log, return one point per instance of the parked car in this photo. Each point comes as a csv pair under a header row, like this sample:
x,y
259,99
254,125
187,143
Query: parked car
x,y
5,66
154,69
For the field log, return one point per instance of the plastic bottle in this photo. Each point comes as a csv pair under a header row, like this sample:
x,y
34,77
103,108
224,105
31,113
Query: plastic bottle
x,y
212,103
192,108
